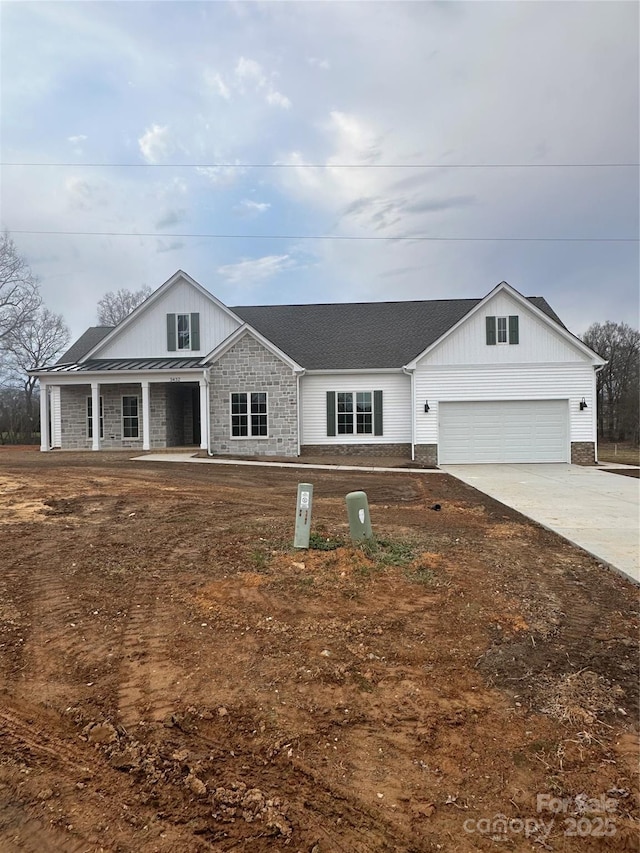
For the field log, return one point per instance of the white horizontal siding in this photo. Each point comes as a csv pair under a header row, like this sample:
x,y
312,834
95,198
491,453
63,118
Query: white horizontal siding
x,y
537,340
396,401
56,417
146,337
569,382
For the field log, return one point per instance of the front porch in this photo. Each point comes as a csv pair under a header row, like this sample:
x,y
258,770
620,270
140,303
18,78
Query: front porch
x,y
111,414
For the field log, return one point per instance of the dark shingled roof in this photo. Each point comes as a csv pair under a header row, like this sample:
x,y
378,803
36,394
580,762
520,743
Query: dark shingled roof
x,y
361,335
84,344
347,335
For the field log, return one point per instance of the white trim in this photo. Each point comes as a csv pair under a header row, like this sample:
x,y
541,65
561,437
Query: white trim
x,y
150,301
504,286
146,416
95,414
124,437
236,335
44,417
355,371
250,436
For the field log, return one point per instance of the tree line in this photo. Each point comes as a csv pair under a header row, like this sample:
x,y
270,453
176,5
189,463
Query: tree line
x,y
32,336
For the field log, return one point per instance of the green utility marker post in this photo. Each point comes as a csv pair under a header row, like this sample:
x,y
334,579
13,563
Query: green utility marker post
x,y
359,520
303,515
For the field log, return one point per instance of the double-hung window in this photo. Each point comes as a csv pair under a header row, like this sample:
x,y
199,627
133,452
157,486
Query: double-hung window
x,y
354,413
90,418
130,419
249,415
503,330
184,331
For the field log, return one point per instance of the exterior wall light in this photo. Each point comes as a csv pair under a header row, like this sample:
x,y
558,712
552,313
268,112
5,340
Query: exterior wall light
x,y
583,404
426,406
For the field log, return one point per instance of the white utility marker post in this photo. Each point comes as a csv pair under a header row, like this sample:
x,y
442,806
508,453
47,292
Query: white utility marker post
x,y
303,515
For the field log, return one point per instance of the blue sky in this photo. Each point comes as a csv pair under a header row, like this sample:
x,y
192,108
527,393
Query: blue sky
x,y
376,86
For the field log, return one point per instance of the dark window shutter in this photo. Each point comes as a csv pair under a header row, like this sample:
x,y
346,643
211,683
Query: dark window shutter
x,y
513,330
491,330
171,332
377,412
331,412
195,331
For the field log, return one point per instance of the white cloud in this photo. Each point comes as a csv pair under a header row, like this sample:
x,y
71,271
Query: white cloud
x,y
155,143
250,70
314,62
251,271
248,207
277,99
215,81
76,140
222,176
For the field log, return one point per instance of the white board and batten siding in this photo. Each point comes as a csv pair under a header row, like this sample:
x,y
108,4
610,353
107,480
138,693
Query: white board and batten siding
x,y
396,396
146,336
538,341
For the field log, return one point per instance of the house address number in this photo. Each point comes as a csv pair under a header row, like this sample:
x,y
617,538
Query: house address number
x,y
175,379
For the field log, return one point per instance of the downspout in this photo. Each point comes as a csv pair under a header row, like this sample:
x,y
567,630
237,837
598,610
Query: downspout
x,y
411,373
595,408
299,373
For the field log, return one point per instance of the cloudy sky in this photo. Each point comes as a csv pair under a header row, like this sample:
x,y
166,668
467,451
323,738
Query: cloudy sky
x,y
222,137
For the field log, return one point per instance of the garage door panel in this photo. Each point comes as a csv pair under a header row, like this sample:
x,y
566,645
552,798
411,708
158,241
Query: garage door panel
x,y
503,431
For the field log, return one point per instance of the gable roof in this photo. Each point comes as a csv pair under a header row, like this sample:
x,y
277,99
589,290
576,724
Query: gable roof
x,y
361,335
140,309
86,342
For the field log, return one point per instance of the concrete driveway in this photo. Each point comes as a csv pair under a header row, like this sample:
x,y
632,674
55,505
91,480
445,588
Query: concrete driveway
x,y
594,509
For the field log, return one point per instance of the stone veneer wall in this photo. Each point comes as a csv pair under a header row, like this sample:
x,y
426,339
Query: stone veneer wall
x,y
427,454
247,367
377,450
583,453
73,406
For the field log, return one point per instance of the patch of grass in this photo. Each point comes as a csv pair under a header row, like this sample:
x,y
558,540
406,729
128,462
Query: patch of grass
x,y
260,559
388,552
421,574
319,542
625,453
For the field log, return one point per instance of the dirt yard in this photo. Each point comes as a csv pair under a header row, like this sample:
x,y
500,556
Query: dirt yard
x,y
175,677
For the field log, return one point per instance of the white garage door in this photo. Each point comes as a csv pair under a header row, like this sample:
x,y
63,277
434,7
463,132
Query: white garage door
x,y
504,431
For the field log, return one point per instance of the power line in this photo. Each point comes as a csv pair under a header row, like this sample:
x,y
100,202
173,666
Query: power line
x,y
329,165
417,238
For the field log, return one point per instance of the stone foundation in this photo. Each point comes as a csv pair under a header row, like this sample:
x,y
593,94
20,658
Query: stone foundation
x,y
376,450
583,453
427,454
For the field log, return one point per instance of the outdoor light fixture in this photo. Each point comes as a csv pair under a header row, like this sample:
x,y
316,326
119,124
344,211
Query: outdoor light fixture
x,y
426,405
583,404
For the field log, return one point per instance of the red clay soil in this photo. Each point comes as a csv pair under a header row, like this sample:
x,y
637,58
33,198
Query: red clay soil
x,y
175,677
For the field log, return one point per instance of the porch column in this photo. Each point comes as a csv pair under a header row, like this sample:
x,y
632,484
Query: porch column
x,y
95,416
44,416
204,416
146,416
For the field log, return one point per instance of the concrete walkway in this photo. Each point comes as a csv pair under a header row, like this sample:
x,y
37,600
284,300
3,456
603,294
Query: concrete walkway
x,y
594,509
216,460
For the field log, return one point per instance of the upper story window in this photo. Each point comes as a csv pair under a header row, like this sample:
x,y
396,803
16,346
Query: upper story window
x,y
503,330
184,326
183,332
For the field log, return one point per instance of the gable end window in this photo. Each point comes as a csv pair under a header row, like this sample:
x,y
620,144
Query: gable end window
x,y
90,418
354,413
130,419
502,330
183,332
249,415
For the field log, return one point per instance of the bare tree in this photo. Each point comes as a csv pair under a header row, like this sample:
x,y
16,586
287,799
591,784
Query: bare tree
x,y
38,341
618,381
116,305
19,294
